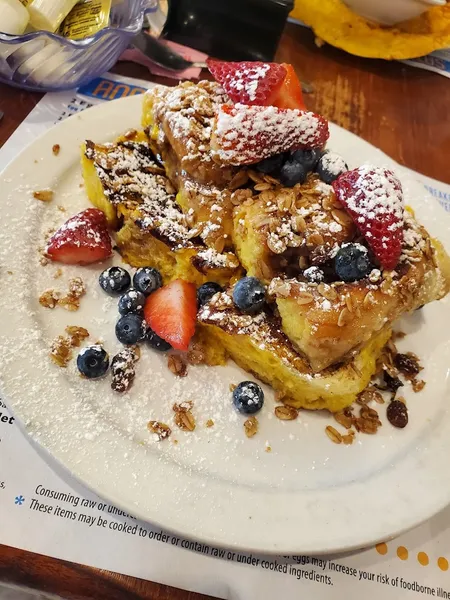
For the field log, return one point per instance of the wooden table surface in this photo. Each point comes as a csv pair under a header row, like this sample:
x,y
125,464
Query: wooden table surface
x,y
395,107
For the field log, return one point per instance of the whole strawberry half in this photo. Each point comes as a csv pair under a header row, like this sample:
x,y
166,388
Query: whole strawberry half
x,y
248,82
247,134
373,196
82,240
171,312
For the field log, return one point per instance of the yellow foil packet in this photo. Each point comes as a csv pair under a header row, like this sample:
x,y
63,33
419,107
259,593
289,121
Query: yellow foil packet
x,y
85,19
337,25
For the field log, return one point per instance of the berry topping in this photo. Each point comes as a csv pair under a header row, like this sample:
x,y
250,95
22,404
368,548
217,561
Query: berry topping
x,y
248,82
93,361
248,134
114,280
156,342
373,197
352,262
82,240
330,166
307,158
171,312
292,172
248,397
206,291
147,280
270,165
249,295
131,302
289,95
130,329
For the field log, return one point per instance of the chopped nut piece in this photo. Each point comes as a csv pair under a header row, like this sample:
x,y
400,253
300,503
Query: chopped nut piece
x,y
368,395
161,429
57,274
417,385
333,434
183,406
209,423
286,413
77,334
196,355
49,298
251,426
185,420
55,149
348,439
61,351
233,386
43,195
344,418
177,365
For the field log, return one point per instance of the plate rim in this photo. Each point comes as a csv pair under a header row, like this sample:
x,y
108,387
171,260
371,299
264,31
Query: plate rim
x,y
104,112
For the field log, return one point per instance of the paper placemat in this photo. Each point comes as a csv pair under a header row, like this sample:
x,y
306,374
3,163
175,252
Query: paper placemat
x,y
44,510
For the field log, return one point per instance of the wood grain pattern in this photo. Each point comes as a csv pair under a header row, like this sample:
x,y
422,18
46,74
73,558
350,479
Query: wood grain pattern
x,y
77,582
397,108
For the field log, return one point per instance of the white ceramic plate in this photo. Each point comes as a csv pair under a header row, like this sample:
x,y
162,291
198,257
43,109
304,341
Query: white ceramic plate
x,y
306,496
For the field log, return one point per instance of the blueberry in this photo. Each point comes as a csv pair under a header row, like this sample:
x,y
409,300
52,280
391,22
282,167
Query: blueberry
x,y
330,166
352,262
307,158
156,342
271,164
248,397
249,295
206,291
93,361
114,281
130,329
292,172
131,302
147,280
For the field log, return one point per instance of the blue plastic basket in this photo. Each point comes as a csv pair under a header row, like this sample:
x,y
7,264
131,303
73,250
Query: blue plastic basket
x,y
43,61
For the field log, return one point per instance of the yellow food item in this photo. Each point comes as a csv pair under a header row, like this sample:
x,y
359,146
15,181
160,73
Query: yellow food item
x,y
153,230
336,24
258,346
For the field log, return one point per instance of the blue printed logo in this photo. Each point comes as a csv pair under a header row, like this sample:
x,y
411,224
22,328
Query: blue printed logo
x,y
442,197
108,89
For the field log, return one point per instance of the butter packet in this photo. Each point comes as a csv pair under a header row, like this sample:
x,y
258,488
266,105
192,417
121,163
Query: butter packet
x,y
85,19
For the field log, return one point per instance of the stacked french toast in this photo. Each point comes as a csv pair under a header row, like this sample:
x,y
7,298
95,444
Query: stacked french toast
x,y
301,264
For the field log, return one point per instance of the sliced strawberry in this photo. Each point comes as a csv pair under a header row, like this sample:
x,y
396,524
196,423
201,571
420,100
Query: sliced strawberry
x,y
82,240
171,312
290,94
247,134
248,82
373,197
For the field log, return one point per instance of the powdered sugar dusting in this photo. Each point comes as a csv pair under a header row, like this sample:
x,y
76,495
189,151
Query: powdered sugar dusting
x,y
245,134
378,193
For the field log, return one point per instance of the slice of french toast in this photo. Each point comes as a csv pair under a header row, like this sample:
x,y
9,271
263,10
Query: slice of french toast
x,y
258,345
281,230
124,180
327,321
179,122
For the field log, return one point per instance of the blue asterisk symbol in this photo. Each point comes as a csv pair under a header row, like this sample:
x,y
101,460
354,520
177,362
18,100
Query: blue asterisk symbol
x,y
19,500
